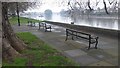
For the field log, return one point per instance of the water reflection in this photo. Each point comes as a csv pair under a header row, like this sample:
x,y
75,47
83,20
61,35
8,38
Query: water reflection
x,y
101,23
92,22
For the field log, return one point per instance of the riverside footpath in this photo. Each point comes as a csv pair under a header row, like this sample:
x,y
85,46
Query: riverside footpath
x,y
105,55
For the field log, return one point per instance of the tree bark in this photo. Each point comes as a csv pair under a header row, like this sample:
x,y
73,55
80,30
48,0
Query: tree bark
x,y
12,46
8,51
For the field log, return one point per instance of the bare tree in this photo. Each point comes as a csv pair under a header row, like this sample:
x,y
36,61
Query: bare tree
x,y
85,4
17,7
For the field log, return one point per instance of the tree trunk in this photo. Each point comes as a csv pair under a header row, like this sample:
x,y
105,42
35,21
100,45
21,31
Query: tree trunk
x,y
105,7
8,51
18,13
89,5
12,46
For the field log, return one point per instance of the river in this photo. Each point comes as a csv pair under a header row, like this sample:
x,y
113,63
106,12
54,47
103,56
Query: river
x,y
106,23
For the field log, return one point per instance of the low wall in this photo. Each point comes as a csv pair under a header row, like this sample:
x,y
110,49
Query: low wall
x,y
100,31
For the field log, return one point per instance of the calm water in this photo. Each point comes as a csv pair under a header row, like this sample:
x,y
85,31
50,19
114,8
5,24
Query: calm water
x,y
92,22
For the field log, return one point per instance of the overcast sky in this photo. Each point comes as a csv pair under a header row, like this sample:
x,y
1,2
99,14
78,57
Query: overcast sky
x,y
57,5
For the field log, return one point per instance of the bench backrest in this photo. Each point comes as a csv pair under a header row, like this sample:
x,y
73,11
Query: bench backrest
x,y
78,33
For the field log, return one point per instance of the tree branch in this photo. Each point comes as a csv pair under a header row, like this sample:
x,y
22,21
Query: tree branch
x,y
111,2
70,5
105,7
89,5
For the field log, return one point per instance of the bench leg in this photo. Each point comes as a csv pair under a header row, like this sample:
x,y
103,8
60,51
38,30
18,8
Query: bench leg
x,y
50,29
66,37
72,37
45,30
89,46
76,35
96,44
39,26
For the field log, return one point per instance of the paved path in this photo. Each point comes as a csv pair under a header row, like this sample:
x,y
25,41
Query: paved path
x,y
105,55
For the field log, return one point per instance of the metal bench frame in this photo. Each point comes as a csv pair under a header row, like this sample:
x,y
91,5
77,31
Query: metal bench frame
x,y
45,26
78,34
30,23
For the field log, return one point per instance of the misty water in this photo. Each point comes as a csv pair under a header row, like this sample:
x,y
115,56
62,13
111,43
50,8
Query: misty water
x,y
106,23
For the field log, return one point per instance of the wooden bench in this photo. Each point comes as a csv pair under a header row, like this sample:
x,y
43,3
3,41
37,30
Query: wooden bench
x,y
30,23
45,26
91,39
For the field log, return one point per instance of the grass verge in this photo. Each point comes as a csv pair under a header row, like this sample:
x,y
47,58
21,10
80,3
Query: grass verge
x,y
39,54
23,20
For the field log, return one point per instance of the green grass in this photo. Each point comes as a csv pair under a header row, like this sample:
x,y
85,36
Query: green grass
x,y
23,20
18,61
39,53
